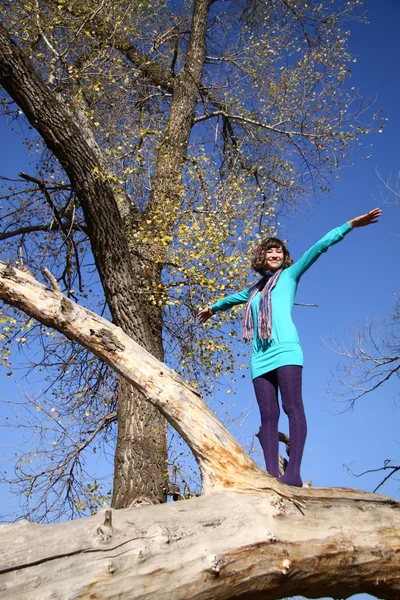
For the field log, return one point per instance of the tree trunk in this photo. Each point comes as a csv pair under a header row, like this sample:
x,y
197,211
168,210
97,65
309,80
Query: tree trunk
x,y
249,537
165,196
133,461
140,458
252,545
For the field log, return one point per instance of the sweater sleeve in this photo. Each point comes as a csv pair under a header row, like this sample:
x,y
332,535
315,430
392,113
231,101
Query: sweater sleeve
x,y
232,300
304,263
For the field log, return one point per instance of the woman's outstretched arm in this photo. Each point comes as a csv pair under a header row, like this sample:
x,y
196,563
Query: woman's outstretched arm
x,y
224,304
333,237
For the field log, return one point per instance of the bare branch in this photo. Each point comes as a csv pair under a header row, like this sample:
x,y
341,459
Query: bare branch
x,y
387,467
52,279
39,228
247,120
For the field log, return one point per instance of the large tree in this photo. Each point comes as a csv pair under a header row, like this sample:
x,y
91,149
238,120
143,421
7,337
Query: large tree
x,y
169,136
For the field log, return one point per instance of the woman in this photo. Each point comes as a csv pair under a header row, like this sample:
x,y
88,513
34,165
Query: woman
x,y
277,357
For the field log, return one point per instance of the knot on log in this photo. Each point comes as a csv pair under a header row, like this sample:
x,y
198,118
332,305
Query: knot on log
x,y
111,568
279,506
271,536
10,273
66,305
285,566
173,490
108,340
104,532
217,564
139,501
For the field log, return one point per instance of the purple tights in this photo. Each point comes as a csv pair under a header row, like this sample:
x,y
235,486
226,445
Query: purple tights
x,y
288,379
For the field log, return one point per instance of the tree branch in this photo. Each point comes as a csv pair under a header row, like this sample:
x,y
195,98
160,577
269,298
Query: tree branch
x,y
36,228
387,467
248,121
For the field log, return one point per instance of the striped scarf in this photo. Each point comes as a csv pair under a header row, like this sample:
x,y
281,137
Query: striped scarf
x,y
265,285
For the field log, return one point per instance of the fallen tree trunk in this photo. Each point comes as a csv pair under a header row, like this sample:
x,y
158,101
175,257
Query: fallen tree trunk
x,y
249,536
228,545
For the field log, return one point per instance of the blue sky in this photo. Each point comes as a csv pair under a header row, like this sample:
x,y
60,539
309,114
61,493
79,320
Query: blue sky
x,y
357,280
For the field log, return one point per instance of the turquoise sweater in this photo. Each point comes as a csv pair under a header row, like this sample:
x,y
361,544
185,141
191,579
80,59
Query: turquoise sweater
x,y
284,348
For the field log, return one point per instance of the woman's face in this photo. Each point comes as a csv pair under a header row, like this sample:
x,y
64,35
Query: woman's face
x,y
275,258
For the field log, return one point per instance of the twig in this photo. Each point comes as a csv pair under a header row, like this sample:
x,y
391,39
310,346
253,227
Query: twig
x,y
48,275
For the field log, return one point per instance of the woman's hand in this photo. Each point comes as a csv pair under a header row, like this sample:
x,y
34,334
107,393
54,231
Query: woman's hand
x,y
371,217
205,314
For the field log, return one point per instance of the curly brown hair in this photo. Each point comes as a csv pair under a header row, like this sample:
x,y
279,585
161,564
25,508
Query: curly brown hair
x,y
259,259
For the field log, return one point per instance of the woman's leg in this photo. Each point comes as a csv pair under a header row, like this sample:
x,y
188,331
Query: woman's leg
x,y
266,389
290,385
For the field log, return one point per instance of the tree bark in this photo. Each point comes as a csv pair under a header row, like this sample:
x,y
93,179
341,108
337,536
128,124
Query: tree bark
x,y
249,537
140,458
